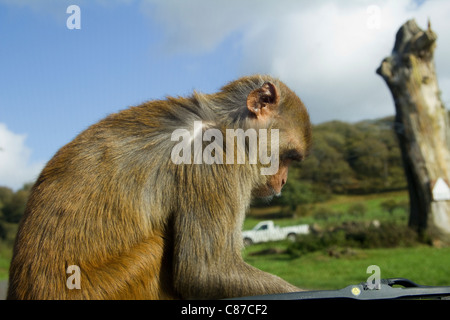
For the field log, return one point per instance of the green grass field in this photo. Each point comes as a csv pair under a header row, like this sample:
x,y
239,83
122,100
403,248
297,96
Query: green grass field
x,y
317,270
6,250
5,258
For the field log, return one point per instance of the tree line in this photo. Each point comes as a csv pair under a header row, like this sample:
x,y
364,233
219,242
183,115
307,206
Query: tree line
x,y
12,206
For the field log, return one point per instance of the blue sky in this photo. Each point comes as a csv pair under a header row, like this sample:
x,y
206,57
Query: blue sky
x,y
55,82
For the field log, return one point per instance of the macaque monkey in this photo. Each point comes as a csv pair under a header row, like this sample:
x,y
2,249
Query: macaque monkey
x,y
149,202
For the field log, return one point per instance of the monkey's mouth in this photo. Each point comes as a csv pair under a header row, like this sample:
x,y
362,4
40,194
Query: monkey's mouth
x,y
269,197
275,193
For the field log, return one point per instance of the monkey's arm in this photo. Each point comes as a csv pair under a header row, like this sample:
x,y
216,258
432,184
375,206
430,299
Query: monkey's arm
x,y
207,247
208,267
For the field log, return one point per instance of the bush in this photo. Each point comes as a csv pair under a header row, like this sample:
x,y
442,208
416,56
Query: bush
x,y
357,209
324,213
2,231
316,242
385,236
356,235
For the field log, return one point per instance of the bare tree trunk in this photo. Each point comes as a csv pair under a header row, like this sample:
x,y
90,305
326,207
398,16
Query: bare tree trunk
x,y
422,127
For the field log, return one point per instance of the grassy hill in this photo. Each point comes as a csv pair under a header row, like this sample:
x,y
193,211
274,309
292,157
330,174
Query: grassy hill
x,y
337,209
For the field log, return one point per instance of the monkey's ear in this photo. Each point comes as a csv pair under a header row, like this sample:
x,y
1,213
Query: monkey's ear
x,y
261,102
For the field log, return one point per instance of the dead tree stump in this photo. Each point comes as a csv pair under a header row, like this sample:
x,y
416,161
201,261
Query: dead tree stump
x,y
422,127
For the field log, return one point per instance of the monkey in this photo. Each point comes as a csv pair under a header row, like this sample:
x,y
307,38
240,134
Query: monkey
x,y
138,225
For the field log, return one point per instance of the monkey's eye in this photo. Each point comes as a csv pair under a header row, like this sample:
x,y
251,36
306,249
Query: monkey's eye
x,y
292,155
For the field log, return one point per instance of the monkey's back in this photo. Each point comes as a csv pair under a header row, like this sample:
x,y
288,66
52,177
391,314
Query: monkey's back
x,y
95,205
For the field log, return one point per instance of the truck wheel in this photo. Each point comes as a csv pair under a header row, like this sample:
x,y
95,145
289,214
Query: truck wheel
x,y
248,242
291,237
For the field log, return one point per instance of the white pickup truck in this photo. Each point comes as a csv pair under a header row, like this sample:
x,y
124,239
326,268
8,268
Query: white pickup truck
x,y
267,231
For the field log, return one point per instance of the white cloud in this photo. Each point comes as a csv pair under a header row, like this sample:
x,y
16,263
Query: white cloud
x,y
15,166
198,26
327,51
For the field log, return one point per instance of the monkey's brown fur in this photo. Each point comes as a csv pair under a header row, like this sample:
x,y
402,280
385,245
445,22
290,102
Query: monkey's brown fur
x,y
141,227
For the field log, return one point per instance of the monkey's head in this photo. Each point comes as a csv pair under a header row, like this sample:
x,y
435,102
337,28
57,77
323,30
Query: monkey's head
x,y
274,106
